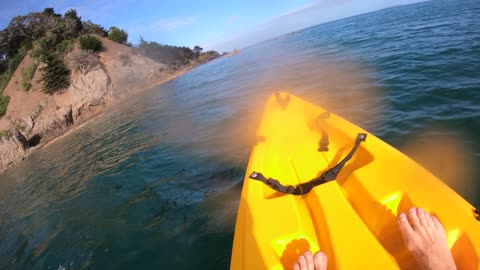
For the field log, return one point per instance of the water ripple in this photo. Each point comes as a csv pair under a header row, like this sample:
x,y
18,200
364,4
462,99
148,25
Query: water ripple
x,y
160,175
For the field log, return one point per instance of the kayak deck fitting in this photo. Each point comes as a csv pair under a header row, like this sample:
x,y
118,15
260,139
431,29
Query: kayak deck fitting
x,y
294,200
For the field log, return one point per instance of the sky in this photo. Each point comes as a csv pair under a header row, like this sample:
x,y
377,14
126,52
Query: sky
x,y
221,25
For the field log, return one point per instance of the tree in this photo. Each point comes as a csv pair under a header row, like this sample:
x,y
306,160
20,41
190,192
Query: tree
x,y
142,42
91,28
48,11
55,75
117,35
198,50
73,23
83,61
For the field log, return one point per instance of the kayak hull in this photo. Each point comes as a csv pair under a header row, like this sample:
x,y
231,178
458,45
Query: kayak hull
x,y
352,218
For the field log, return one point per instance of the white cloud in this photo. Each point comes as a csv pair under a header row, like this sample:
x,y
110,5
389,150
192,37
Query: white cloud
x,y
171,24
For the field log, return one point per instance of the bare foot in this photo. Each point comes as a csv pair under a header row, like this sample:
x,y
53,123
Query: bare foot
x,y
307,261
426,239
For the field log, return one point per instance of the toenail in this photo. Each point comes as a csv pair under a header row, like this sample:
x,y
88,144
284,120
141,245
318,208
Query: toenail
x,y
402,217
412,210
320,256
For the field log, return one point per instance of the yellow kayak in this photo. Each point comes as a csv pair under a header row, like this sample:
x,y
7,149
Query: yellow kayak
x,y
318,182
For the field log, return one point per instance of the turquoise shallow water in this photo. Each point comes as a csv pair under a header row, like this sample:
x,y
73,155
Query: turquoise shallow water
x,y
154,183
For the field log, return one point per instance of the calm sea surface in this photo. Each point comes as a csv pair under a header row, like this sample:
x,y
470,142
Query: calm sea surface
x,y
154,183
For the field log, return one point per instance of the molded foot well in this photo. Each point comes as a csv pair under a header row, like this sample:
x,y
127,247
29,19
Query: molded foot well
x,y
342,234
380,217
464,253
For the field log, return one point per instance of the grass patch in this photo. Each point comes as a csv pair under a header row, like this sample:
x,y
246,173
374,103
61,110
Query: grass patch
x,y
27,76
29,71
25,85
4,79
4,100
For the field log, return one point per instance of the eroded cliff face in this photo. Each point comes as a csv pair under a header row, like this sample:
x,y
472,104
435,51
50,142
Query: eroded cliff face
x,y
12,149
121,73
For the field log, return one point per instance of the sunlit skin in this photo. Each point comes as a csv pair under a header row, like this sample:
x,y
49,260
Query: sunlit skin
x,y
423,235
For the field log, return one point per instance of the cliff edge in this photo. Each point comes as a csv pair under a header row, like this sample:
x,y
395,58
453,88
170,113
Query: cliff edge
x,y
34,118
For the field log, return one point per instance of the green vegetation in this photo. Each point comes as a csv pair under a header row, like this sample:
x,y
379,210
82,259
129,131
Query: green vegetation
x,y
117,35
4,79
65,46
71,24
5,134
55,76
94,29
174,57
3,104
29,71
27,76
26,85
7,68
90,43
197,50
50,37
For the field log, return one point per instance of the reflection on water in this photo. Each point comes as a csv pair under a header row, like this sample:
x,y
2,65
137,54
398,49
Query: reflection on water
x,y
155,182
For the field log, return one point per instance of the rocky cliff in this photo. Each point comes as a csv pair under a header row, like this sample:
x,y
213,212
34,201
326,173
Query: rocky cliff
x,y
33,118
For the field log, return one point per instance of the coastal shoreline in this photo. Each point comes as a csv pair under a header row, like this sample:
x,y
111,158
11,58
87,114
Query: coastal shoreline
x,y
96,113
45,119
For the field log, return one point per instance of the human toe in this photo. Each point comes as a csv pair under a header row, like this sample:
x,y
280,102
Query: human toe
x,y
309,260
413,218
404,223
320,261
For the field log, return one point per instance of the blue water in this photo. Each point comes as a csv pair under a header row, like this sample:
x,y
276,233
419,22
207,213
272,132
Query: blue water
x,y
154,183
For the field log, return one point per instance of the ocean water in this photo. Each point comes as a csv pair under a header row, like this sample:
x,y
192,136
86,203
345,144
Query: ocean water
x,y
154,183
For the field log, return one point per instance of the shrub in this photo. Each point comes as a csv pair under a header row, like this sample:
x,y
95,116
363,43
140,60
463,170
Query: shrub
x,y
49,41
29,71
55,75
95,29
10,67
39,53
65,46
73,23
26,85
90,43
4,100
5,134
15,61
4,79
117,35
43,47
27,76
83,61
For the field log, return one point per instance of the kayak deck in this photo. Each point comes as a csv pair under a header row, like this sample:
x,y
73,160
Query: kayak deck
x,y
351,219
